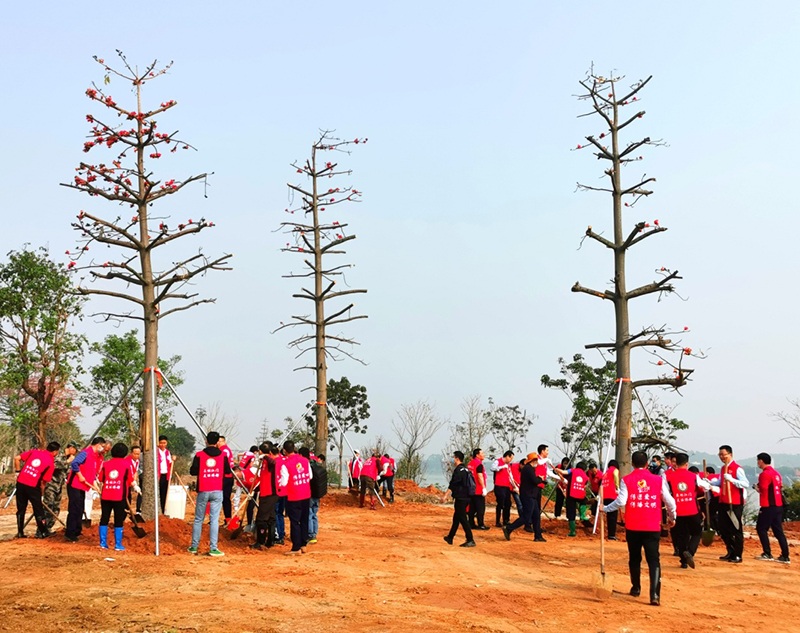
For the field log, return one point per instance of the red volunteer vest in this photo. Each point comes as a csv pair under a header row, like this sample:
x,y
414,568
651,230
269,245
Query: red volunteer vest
x,y
268,485
280,460
541,471
728,492
596,480
770,477
209,477
501,477
247,457
390,470
370,468
115,476
684,488
577,487
473,468
514,466
169,463
709,477
609,485
88,470
355,468
227,454
38,465
643,510
299,486
134,463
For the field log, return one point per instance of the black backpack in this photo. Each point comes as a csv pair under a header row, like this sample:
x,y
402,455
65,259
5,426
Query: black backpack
x,y
319,482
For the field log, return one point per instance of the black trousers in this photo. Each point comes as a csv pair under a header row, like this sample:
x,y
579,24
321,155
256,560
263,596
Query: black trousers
x,y
771,519
460,518
477,510
32,494
163,485
713,512
74,511
531,515
572,507
686,533
502,495
265,520
732,537
227,491
117,507
560,498
387,483
649,541
297,511
611,519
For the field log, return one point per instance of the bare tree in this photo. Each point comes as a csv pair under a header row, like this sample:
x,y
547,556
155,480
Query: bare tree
x,y
607,102
215,418
790,419
472,432
315,239
129,181
415,428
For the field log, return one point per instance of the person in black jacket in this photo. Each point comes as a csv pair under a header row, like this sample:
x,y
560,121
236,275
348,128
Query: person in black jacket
x,y
530,494
461,491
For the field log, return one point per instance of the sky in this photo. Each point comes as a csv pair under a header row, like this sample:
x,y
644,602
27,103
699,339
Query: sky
x,y
469,229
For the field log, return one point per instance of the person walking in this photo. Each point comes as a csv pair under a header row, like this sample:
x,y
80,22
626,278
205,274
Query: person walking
x,y
210,466
35,468
688,522
770,513
732,483
502,488
115,479
82,476
530,494
227,480
54,488
641,493
477,505
461,487
268,497
295,476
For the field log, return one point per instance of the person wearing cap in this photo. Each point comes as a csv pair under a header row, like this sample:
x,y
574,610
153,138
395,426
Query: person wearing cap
x,y
54,488
530,493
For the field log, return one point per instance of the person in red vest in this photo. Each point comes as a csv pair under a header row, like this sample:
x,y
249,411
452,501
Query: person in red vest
x,y
354,472
369,473
33,475
280,506
477,505
267,497
530,491
82,476
210,467
295,475
732,483
610,490
770,514
115,479
502,488
576,493
227,481
164,470
387,476
713,499
684,485
595,476
641,493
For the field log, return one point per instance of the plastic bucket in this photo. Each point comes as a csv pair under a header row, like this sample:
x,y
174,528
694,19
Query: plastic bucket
x,y
175,507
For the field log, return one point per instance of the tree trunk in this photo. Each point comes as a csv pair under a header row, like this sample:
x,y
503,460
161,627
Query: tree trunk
x,y
321,367
41,428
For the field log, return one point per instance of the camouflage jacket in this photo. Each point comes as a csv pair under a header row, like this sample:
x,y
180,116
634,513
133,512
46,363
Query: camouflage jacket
x,y
60,472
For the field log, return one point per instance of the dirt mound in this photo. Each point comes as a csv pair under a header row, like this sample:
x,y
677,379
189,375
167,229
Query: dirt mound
x,y
408,485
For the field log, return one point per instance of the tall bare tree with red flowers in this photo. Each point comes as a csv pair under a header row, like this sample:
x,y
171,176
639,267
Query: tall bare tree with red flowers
x,y
608,102
153,287
316,237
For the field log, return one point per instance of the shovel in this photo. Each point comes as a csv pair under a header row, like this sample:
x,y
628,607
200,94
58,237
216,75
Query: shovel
x,y
53,514
731,514
707,538
602,583
138,530
235,525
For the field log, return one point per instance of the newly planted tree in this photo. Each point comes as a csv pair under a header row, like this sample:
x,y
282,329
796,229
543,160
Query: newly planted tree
x,y
316,236
153,287
615,109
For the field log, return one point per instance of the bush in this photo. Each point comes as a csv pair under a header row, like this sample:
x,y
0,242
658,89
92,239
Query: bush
x,y
792,510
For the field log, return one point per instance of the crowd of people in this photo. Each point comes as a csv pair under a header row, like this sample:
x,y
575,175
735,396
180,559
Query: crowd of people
x,y
281,482
675,496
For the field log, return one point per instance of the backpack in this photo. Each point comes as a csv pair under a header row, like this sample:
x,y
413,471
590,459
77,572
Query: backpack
x,y
319,482
471,485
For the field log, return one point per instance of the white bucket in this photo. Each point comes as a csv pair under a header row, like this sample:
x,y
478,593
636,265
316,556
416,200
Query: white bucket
x,y
175,507
88,503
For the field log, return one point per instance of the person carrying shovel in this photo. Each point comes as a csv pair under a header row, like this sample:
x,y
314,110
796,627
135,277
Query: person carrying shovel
x,y
732,483
115,479
83,472
641,493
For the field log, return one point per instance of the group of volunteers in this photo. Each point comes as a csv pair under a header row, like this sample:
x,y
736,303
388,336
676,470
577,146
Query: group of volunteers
x,y
372,475
675,494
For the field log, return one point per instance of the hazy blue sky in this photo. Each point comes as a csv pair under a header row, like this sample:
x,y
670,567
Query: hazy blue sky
x,y
469,229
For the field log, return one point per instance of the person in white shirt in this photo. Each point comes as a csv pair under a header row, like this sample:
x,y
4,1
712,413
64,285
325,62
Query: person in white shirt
x,y
164,469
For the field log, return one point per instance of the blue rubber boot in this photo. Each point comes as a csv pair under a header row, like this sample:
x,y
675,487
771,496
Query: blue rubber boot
x,y
118,539
104,536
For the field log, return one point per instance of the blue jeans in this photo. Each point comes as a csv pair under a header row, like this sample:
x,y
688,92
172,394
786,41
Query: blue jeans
x,y
212,498
313,523
280,523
